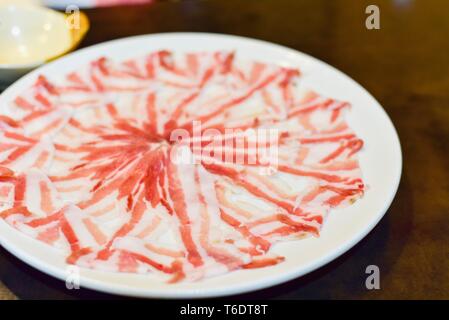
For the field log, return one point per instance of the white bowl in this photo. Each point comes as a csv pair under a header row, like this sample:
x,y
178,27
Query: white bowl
x,y
31,35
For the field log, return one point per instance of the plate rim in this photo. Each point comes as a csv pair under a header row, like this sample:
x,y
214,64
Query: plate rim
x,y
100,285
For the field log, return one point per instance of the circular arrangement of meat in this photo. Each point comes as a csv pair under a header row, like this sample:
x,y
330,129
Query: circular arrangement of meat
x,y
183,165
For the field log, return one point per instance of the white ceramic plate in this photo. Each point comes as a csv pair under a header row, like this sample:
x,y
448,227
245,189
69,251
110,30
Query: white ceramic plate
x,y
381,163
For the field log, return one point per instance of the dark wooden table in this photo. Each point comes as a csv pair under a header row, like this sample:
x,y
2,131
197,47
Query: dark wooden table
x,y
405,65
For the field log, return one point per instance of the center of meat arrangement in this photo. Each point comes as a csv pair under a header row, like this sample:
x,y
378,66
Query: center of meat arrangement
x,y
159,164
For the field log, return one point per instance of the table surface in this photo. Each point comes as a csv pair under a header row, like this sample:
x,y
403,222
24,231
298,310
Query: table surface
x,y
405,65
